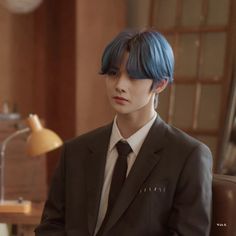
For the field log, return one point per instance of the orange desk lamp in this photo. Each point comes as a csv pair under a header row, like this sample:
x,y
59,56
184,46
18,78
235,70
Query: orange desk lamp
x,y
40,141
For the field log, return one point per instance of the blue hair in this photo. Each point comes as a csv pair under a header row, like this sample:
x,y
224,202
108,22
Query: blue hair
x,y
150,55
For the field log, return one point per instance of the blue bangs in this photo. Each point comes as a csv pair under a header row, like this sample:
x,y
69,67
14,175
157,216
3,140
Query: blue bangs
x,y
149,55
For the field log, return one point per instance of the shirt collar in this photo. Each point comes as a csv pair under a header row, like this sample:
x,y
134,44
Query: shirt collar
x,y
135,140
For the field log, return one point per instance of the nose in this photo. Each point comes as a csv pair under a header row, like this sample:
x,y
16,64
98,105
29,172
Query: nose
x,y
121,83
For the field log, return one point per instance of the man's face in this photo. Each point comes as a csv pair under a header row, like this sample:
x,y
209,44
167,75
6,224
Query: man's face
x,y
128,95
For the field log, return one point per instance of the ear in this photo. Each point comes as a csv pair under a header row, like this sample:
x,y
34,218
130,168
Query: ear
x,y
161,86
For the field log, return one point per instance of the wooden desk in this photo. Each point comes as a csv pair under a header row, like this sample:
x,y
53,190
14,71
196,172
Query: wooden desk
x,y
24,224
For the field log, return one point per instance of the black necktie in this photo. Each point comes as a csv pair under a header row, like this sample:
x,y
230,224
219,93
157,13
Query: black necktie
x,y
119,173
118,179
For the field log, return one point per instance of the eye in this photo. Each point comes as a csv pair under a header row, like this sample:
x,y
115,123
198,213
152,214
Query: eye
x,y
112,73
132,78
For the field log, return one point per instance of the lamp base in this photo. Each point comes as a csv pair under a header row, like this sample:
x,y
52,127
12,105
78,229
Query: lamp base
x,y
14,206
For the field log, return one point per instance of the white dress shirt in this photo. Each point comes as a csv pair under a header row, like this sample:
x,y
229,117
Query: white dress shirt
x,y
135,141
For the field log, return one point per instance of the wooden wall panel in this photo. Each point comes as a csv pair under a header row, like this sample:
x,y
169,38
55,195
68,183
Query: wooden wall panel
x,y
54,78
97,22
16,61
5,49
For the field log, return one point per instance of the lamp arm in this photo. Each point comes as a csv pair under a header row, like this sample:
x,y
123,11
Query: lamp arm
x,y
2,156
12,136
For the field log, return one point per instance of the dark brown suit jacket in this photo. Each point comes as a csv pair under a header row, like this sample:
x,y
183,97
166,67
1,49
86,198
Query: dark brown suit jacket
x,y
167,192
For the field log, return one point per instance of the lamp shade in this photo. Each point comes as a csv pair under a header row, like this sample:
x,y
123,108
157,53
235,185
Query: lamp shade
x,y
40,140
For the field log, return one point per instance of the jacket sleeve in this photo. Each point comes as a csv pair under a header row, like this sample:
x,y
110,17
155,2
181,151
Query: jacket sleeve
x,y
53,217
191,212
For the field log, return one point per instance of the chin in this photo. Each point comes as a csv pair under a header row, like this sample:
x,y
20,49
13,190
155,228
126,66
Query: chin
x,y
120,110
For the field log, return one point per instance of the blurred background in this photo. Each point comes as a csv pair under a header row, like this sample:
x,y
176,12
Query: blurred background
x,y
50,57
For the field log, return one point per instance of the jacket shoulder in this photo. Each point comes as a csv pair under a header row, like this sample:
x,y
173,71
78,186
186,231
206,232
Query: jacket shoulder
x,y
88,137
181,139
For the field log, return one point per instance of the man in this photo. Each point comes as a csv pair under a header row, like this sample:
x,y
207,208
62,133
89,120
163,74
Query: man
x,y
160,186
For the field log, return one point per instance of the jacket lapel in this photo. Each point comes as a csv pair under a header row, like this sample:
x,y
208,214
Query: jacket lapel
x,y
95,167
147,159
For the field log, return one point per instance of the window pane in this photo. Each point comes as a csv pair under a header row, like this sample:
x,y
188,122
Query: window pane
x,y
191,12
213,55
164,13
184,104
187,51
209,110
218,12
163,104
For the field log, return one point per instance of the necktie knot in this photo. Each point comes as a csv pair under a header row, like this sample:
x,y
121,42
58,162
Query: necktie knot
x,y
123,148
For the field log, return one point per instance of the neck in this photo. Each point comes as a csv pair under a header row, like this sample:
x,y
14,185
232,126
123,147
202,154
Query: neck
x,y
128,124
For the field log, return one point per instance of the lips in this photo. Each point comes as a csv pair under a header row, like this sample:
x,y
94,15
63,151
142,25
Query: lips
x,y
120,98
